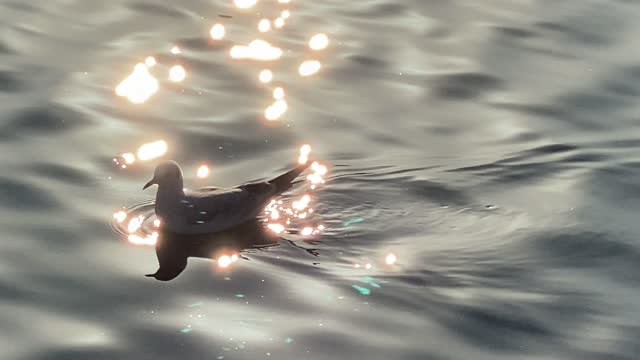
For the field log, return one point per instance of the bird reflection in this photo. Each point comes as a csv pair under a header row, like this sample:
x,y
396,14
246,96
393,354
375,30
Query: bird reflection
x,y
173,249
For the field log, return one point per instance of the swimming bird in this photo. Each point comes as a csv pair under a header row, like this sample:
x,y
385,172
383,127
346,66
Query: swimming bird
x,y
211,209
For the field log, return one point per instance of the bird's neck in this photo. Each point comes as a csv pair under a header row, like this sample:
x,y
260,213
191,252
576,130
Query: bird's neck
x,y
167,197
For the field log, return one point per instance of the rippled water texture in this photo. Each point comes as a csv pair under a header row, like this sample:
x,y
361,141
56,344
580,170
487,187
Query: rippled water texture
x,y
491,145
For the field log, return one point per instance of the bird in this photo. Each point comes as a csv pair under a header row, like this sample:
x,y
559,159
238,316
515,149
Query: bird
x,y
211,209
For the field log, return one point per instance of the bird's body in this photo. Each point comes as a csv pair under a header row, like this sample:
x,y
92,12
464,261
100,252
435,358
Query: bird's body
x,y
211,209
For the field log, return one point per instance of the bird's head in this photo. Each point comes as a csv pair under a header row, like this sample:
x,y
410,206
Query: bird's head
x,y
167,174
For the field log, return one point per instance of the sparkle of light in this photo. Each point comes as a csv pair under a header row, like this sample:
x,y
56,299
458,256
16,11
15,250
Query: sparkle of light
x,y
284,1
319,169
244,4
391,259
305,150
264,25
265,76
278,23
307,231
150,61
120,216
152,150
309,67
276,110
224,261
285,14
367,266
278,93
177,73
234,257
176,50
129,158
256,50
203,171
319,42
276,228
149,240
217,32
139,86
156,222
135,224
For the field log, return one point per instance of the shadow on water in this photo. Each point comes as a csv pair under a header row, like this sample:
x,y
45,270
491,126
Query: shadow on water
x,y
173,250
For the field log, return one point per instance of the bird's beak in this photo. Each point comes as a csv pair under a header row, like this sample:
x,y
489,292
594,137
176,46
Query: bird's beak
x,y
151,182
150,275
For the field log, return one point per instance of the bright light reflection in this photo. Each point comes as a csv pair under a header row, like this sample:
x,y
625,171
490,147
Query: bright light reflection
x,y
176,50
203,171
319,169
150,240
302,203
152,150
275,111
309,67
391,259
177,73
129,158
150,61
319,42
305,150
276,228
278,93
245,4
139,86
217,32
257,50
264,25
135,224
265,76
285,14
224,261
307,231
120,216
278,23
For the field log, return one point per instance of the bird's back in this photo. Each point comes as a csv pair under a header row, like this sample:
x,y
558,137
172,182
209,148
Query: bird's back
x,y
209,210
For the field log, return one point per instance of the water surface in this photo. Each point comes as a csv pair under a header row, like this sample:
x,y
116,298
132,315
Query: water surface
x,y
492,146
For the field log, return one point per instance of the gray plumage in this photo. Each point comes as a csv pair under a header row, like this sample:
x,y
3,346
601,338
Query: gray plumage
x,y
211,209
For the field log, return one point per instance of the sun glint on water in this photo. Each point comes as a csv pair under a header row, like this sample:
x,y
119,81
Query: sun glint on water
x,y
217,32
139,86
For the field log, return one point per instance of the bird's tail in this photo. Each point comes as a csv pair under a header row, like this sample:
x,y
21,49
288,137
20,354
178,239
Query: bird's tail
x,y
284,181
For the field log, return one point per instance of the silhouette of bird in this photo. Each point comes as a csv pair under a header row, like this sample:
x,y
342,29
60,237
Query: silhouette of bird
x,y
211,209
173,249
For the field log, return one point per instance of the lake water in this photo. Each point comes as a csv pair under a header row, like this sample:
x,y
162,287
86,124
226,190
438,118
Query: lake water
x,y
492,146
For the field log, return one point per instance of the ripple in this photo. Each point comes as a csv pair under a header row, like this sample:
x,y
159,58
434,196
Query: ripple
x,y
156,9
48,119
514,32
9,82
464,86
62,173
586,249
25,197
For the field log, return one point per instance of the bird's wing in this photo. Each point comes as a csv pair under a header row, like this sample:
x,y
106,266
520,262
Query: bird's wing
x,y
201,207
231,206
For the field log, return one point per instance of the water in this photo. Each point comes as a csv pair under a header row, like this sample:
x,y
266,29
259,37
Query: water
x,y
489,145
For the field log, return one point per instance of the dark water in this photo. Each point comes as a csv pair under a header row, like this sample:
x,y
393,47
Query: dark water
x,y
493,146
